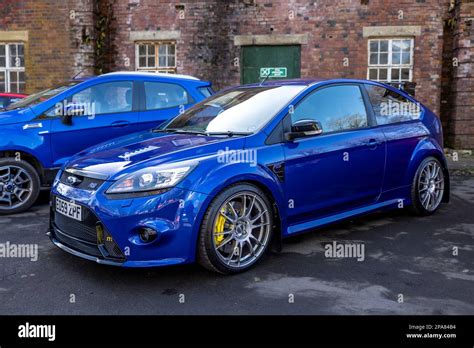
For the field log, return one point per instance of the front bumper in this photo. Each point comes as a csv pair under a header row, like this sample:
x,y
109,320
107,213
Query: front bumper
x,y
108,232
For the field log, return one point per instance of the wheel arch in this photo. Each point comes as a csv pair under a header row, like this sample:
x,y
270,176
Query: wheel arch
x,y
263,184
429,148
27,157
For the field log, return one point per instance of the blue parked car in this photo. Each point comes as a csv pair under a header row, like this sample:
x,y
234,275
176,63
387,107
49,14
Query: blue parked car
x,y
41,132
244,167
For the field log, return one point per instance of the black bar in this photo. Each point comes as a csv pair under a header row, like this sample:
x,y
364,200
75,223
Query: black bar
x,y
287,330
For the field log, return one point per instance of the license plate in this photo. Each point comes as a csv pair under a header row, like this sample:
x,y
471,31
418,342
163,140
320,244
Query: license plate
x,y
69,209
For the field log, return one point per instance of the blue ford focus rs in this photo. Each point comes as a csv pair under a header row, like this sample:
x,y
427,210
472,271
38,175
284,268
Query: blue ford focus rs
x,y
248,167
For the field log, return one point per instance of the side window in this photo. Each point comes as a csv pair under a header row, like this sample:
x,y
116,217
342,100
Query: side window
x,y
391,107
164,95
105,98
336,108
206,91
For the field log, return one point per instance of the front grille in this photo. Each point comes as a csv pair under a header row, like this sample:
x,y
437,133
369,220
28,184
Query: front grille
x,y
87,248
83,235
84,229
81,182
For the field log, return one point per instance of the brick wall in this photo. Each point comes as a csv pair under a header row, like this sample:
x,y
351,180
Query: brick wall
x,y
60,46
460,110
54,51
206,47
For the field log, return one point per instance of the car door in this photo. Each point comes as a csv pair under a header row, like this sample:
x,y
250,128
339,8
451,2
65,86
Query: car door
x,y
343,167
161,101
399,119
97,113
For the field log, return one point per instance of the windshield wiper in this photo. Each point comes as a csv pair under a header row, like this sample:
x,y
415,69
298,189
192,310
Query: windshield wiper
x,y
169,130
199,132
229,133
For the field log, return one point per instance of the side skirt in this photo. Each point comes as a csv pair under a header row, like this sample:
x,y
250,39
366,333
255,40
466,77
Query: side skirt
x,y
297,228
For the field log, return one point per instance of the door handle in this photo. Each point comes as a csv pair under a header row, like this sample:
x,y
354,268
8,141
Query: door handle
x,y
372,143
120,124
33,125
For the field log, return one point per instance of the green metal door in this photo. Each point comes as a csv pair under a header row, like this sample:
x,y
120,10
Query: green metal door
x,y
279,62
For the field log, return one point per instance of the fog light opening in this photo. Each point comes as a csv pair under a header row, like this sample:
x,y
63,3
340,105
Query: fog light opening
x,y
147,234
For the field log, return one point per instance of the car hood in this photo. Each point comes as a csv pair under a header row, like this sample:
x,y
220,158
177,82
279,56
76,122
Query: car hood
x,y
16,116
144,149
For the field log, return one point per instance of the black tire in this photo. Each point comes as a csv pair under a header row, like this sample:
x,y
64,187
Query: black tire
x,y
34,189
207,255
417,206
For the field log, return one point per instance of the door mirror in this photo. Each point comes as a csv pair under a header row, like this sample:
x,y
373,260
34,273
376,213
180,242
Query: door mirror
x,y
71,110
66,119
304,128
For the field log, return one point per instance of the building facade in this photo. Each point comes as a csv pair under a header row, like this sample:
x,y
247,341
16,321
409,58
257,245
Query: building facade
x,y
429,43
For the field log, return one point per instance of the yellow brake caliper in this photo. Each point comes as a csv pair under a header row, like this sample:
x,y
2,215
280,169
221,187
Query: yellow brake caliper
x,y
218,229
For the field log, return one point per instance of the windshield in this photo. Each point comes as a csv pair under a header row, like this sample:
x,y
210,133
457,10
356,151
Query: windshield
x,y
241,110
39,97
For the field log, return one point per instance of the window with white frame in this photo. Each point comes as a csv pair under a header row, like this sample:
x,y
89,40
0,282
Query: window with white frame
x,y
156,56
390,60
12,67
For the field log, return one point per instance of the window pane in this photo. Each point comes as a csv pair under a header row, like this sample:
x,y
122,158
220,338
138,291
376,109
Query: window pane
x,y
405,74
151,50
162,50
12,50
151,61
373,58
171,49
405,45
383,58
142,62
3,62
395,58
396,46
164,95
141,50
406,58
171,61
395,74
383,45
2,50
372,74
391,107
374,46
162,60
13,77
337,108
383,74
106,98
2,81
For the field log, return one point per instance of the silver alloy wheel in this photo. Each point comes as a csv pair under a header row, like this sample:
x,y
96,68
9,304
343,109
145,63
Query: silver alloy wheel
x,y
431,185
244,232
16,186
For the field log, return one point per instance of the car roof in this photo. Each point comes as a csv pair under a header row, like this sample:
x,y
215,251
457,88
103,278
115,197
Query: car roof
x,y
151,74
17,95
312,81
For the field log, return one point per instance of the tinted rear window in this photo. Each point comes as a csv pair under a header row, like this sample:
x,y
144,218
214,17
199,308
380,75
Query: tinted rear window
x,y
161,95
391,107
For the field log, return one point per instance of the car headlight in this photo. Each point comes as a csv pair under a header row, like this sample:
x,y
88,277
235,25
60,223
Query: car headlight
x,y
151,179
